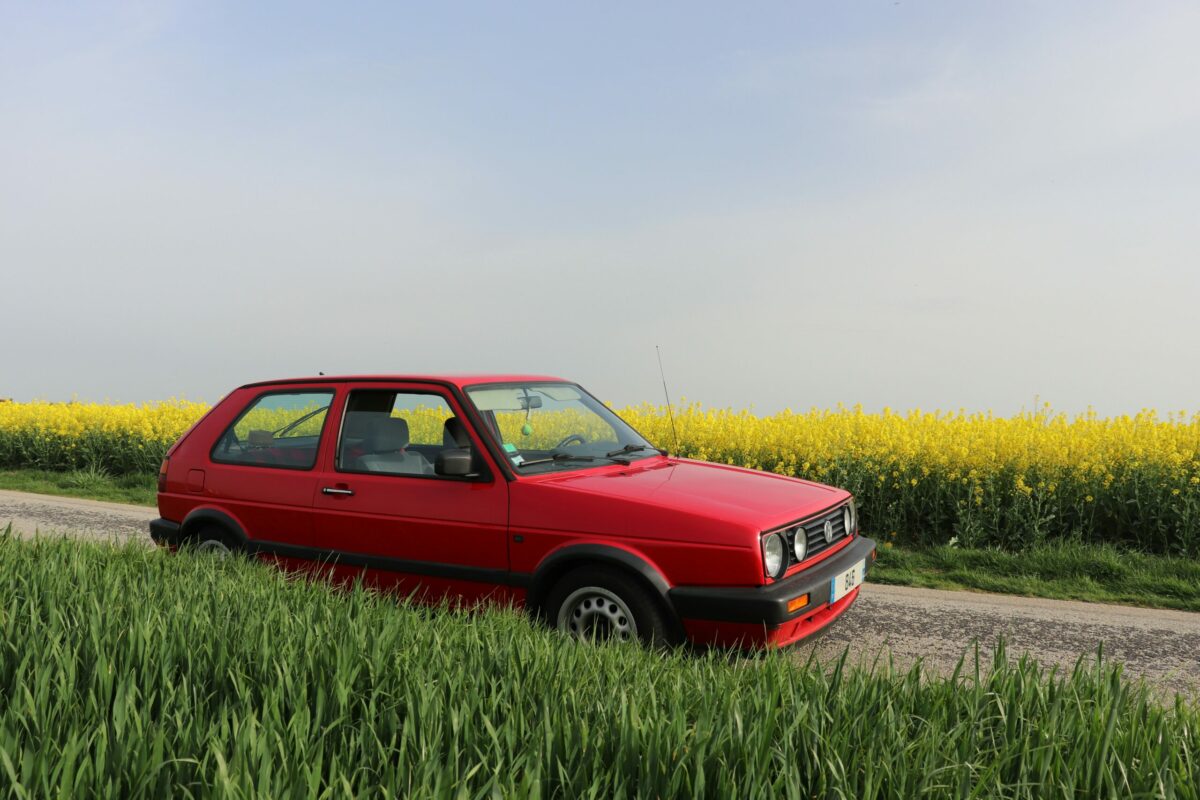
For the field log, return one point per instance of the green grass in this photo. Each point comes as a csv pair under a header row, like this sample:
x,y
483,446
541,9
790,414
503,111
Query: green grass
x,y
135,488
1060,570
130,672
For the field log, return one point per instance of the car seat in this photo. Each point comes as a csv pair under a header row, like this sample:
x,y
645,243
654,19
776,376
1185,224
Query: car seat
x,y
356,433
385,450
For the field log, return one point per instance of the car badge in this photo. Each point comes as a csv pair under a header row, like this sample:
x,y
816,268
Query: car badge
x,y
828,531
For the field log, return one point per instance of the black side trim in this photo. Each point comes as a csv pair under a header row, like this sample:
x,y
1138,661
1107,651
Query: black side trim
x,y
767,605
560,561
431,568
164,532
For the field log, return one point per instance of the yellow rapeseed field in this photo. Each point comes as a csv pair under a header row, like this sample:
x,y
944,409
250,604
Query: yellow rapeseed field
x,y
920,476
119,438
977,478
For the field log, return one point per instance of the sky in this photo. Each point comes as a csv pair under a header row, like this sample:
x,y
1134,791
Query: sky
x,y
983,206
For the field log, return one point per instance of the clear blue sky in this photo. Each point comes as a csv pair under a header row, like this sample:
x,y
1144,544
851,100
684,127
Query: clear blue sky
x,y
898,204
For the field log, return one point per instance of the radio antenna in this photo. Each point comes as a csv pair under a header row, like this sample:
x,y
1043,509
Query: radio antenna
x,y
666,394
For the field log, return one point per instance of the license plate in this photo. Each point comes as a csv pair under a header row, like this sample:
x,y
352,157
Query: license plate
x,y
847,582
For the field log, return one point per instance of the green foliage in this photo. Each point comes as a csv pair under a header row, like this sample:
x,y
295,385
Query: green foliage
x,y
133,487
1062,570
129,672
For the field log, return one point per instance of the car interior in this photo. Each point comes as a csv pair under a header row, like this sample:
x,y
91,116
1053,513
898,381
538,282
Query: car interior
x,y
290,446
373,440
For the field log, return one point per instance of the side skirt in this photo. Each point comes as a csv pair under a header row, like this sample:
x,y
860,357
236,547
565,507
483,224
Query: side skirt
x,y
433,569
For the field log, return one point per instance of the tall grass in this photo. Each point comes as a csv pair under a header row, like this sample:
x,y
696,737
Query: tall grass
x,y
132,487
128,672
1062,570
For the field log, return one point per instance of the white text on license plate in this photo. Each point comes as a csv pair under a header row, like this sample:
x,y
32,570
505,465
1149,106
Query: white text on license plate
x,y
847,582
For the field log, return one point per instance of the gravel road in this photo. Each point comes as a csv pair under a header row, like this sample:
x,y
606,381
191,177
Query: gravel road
x,y
91,519
910,624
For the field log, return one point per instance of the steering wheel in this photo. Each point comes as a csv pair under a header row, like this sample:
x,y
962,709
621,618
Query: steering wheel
x,y
574,437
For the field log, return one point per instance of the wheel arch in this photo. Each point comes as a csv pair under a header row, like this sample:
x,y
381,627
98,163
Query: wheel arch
x,y
562,561
201,518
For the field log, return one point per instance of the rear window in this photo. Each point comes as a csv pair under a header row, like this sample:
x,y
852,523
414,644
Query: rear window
x,y
278,429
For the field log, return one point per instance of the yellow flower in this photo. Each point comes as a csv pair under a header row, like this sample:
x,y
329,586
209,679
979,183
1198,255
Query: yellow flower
x,y
965,461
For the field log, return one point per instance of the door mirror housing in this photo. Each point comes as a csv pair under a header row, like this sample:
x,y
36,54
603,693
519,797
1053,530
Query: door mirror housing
x,y
456,463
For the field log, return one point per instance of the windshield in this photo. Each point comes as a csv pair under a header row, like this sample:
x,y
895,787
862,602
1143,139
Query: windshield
x,y
549,427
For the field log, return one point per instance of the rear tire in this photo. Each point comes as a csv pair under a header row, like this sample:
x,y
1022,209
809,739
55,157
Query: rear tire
x,y
215,542
596,603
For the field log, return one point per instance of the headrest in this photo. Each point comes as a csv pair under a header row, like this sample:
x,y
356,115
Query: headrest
x,y
454,433
260,438
389,435
361,424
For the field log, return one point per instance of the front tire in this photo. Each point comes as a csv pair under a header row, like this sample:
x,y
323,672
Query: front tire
x,y
603,604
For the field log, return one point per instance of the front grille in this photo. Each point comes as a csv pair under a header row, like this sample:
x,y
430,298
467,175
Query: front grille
x,y
814,530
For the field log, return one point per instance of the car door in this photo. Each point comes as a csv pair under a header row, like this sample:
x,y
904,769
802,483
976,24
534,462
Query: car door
x,y
379,503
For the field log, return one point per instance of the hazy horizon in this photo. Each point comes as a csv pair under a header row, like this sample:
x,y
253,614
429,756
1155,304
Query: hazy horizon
x,y
893,204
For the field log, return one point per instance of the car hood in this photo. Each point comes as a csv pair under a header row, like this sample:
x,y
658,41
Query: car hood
x,y
656,497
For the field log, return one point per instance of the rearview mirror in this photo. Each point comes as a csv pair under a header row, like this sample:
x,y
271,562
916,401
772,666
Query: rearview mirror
x,y
458,462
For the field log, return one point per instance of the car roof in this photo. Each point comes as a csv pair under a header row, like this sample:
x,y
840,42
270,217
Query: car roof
x,y
455,379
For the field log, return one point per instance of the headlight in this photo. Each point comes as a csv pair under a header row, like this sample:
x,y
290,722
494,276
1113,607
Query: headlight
x,y
800,546
774,561
853,517
848,520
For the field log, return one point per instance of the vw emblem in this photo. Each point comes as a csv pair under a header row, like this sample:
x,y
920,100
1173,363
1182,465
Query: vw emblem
x,y
828,531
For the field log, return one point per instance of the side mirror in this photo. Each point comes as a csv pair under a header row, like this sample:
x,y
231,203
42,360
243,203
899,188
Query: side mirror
x,y
455,463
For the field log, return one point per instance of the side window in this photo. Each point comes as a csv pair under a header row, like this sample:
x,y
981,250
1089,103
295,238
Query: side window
x,y
397,433
281,429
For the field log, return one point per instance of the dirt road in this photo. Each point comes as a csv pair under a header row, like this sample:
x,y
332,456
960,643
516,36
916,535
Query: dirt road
x,y
92,519
937,626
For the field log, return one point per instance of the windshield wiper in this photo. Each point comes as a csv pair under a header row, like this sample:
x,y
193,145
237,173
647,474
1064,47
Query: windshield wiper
x,y
613,457
556,457
629,448
290,426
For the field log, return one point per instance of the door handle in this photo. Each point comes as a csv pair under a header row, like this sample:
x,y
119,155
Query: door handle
x,y
335,490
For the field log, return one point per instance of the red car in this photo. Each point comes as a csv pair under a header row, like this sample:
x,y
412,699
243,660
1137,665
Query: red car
x,y
516,489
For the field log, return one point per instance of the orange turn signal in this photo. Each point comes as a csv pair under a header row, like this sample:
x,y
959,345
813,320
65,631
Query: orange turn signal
x,y
797,603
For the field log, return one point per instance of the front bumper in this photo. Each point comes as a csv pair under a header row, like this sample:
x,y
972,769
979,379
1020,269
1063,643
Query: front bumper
x,y
766,607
